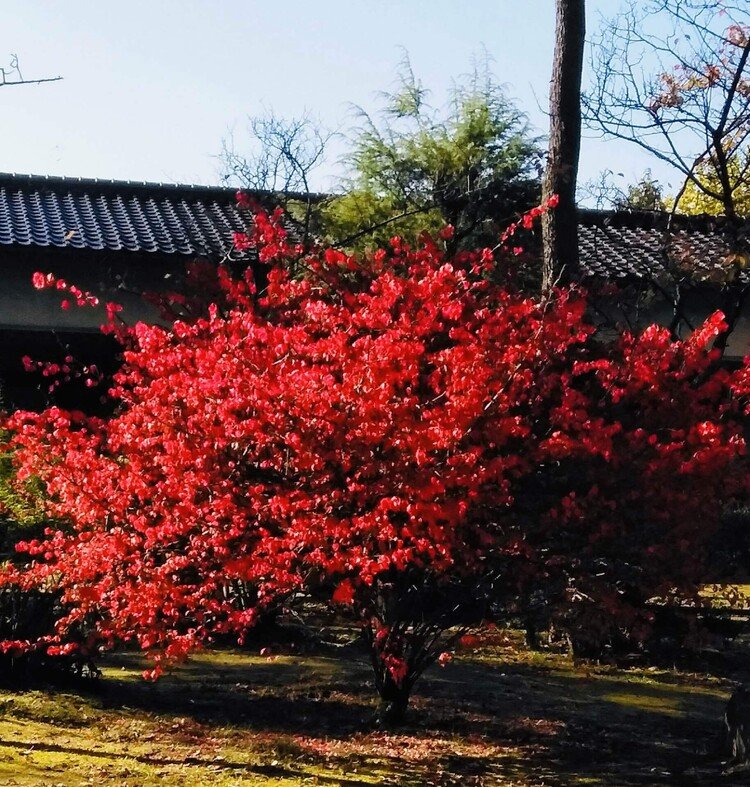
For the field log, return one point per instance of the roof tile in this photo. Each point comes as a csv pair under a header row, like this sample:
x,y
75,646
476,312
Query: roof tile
x,y
119,215
632,244
200,221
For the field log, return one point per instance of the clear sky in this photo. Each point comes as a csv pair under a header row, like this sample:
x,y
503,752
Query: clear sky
x,y
151,88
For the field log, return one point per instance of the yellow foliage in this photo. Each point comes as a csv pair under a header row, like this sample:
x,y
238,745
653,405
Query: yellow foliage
x,y
695,201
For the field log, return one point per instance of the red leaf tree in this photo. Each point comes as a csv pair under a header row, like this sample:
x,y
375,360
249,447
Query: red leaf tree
x,y
398,435
647,449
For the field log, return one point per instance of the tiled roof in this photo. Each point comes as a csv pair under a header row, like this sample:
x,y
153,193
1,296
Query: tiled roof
x,y
632,244
114,215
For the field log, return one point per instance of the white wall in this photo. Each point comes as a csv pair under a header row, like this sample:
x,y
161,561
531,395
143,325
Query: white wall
x,y
118,277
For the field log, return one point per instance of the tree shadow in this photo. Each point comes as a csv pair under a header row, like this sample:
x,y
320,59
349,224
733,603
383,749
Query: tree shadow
x,y
555,724
612,728
317,696
240,768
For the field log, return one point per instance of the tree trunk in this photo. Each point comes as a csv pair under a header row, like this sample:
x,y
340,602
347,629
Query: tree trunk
x,y
394,700
560,226
737,724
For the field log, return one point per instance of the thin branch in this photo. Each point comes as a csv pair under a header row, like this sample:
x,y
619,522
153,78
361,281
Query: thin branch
x,y
7,83
375,227
15,69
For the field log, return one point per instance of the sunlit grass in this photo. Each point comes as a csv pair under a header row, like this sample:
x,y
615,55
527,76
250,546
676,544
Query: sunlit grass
x,y
495,716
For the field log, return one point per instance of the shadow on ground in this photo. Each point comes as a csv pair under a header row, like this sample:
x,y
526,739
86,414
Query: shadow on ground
x,y
494,718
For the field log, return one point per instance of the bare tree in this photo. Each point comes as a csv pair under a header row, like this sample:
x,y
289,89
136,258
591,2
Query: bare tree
x,y
12,75
672,77
560,227
284,153
681,92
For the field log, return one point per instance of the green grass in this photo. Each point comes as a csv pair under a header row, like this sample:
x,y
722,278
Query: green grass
x,y
497,716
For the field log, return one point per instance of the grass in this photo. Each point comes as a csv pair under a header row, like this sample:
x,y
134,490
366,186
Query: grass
x,y
495,716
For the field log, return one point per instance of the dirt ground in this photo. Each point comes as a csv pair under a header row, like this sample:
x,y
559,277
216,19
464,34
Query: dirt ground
x,y
494,716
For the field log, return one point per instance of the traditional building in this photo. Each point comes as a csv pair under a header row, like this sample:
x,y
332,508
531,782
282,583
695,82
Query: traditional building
x,y
652,256
119,239
116,239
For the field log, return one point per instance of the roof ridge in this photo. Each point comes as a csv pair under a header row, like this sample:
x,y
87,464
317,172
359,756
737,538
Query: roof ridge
x,y
32,180
652,219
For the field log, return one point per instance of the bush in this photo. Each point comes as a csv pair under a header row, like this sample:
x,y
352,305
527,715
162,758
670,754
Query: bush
x,y
28,615
404,435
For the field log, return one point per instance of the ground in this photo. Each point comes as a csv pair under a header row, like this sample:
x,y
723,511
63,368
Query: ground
x,y
498,715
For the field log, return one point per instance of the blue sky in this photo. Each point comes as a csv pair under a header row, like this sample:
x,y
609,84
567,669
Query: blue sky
x,y
150,89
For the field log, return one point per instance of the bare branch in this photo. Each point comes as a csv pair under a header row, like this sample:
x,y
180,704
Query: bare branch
x,y
286,152
671,76
12,75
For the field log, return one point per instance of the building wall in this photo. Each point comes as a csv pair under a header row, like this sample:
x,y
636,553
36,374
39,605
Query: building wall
x,y
33,323
119,277
697,306
739,342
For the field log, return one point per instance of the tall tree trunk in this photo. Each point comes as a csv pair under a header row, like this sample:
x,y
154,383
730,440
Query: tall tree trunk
x,y
560,226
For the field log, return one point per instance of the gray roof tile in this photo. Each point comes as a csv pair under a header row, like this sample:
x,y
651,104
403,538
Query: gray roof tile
x,y
200,220
632,244
120,215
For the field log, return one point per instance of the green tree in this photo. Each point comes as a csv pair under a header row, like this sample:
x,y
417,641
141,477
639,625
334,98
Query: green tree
x,y
645,194
472,164
21,507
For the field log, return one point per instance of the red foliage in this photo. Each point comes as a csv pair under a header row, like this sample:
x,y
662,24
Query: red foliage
x,y
378,423
648,441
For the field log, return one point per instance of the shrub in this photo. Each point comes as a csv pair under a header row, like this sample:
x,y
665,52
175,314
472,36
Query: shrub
x,y
403,435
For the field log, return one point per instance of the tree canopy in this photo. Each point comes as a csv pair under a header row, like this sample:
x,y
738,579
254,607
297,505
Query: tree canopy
x,y
404,435
671,76
698,200
472,164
